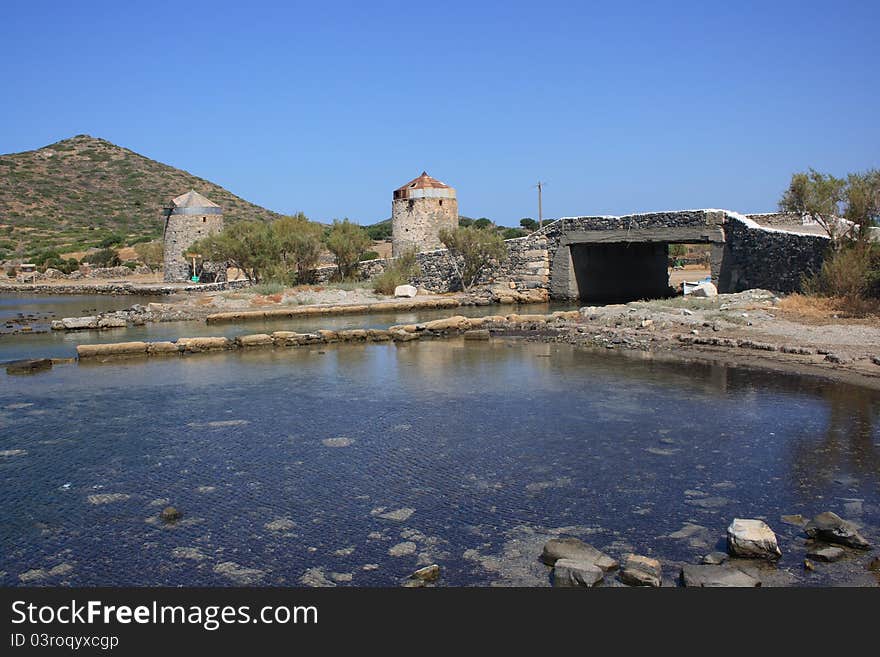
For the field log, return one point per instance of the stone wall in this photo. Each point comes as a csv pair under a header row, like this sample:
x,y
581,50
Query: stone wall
x,y
416,222
757,256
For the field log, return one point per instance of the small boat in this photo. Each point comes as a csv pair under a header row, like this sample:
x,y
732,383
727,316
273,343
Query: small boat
x,y
689,286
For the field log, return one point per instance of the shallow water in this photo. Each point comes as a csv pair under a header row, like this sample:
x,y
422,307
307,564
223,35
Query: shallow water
x,y
62,344
313,465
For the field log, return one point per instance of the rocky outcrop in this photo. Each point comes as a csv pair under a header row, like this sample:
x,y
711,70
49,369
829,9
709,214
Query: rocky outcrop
x,y
703,576
576,550
569,573
752,539
638,570
831,528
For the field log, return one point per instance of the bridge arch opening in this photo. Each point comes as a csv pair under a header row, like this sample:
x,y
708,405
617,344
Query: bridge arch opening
x,y
602,267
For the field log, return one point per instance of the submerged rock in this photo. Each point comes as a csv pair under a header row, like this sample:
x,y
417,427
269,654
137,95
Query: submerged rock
x,y
752,538
826,553
574,573
716,576
575,549
280,525
29,366
427,574
170,514
641,571
714,559
831,528
402,549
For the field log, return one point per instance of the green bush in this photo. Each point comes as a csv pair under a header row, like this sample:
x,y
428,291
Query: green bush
x,y
104,258
271,287
131,264
528,223
369,255
111,240
399,271
513,233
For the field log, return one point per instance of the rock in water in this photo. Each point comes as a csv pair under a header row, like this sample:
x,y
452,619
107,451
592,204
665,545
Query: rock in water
x,y
827,554
576,550
407,291
427,574
752,539
28,366
641,571
874,565
716,576
831,528
714,559
572,573
170,514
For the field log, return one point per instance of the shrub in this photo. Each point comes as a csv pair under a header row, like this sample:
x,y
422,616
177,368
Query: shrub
x,y
131,264
472,251
271,287
528,223
399,271
152,254
369,255
111,240
513,233
347,242
850,272
104,258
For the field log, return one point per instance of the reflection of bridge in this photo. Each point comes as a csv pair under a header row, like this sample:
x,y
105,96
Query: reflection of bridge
x,y
604,259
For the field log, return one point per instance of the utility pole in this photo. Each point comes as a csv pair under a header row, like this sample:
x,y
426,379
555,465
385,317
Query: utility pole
x,y
540,187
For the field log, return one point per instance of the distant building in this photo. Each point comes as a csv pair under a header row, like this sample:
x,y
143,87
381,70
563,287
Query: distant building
x,y
419,210
189,218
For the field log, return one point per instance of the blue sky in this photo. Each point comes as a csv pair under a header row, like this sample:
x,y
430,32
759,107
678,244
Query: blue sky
x,y
326,107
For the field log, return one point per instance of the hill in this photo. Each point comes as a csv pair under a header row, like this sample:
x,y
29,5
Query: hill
x,y
82,192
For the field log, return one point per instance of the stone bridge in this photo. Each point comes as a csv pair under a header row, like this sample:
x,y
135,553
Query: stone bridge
x,y
605,259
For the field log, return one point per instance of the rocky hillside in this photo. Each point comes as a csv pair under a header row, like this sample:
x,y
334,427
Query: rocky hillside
x,y
83,191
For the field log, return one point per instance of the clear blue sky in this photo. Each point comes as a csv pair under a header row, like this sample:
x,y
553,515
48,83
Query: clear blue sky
x,y
327,107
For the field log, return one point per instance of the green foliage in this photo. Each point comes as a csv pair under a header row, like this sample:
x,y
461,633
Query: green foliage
x,y
285,251
152,254
299,247
851,269
528,223
473,251
851,272
677,250
131,264
347,242
464,222
268,288
482,223
104,258
400,271
380,231
369,255
513,233
246,245
111,240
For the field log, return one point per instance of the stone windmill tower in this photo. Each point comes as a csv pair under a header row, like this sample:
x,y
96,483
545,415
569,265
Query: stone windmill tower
x,y
189,218
419,210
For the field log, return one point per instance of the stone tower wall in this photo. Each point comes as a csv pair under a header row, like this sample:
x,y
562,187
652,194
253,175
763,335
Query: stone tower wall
x,y
416,222
181,232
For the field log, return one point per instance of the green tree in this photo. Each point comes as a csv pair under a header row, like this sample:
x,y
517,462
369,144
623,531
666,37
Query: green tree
x,y
299,246
249,246
150,253
472,251
347,242
528,223
483,223
848,210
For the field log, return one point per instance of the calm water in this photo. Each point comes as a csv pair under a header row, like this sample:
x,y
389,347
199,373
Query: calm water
x,y
62,344
361,463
